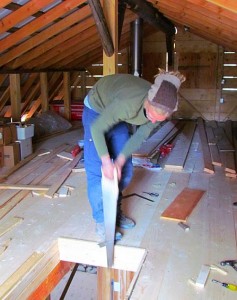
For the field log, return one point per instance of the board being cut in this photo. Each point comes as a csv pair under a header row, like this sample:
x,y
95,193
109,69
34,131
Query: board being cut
x,y
182,206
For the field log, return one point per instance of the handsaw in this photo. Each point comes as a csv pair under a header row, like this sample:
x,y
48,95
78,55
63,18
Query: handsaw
x,y
110,194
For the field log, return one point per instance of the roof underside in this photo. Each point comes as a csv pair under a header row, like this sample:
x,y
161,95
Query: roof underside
x,y
62,35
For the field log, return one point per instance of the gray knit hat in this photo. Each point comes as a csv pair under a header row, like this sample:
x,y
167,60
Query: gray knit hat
x,y
163,93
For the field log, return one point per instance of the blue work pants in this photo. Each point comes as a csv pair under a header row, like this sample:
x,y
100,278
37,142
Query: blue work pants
x,y
115,139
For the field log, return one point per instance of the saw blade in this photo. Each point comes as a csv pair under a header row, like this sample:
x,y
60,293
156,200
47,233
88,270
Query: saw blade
x,y
110,193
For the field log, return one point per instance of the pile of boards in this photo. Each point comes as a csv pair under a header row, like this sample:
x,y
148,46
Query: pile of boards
x,y
217,141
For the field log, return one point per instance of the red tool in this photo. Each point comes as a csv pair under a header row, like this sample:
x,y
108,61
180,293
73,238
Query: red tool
x,y
165,149
77,149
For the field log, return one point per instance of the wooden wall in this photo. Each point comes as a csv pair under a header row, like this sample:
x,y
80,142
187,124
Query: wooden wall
x,y
204,94
203,64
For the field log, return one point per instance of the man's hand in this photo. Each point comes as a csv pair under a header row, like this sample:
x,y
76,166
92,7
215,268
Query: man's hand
x,y
119,163
108,166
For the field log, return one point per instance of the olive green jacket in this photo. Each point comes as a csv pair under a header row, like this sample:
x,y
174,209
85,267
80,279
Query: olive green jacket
x,y
120,98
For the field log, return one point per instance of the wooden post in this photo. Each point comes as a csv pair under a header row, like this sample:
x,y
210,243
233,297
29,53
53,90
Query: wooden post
x,y
44,91
219,75
15,94
110,8
112,283
67,95
83,84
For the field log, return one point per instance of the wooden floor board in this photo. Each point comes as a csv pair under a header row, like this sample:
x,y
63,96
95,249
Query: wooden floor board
x,y
208,167
177,157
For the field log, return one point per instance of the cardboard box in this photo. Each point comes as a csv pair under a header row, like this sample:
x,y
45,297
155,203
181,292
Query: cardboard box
x,y
25,131
11,155
25,148
7,134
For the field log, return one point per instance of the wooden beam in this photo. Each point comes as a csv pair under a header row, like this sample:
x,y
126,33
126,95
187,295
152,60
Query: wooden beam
x,y
91,253
102,27
24,12
34,108
60,45
67,95
230,5
111,282
110,62
15,92
151,15
44,91
31,27
4,3
44,289
50,32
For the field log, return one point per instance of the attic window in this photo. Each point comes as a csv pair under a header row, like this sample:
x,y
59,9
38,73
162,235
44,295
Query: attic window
x,y
230,89
230,65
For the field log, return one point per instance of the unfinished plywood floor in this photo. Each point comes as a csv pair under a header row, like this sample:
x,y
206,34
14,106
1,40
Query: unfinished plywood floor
x,y
174,255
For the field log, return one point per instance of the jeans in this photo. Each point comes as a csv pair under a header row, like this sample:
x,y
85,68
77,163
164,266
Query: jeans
x,y
115,139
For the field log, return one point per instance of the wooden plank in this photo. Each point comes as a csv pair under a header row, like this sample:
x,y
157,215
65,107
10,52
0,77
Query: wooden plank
x,y
178,155
223,142
65,155
208,167
28,159
15,198
215,156
13,281
88,252
182,206
112,283
8,224
17,166
6,186
155,139
230,164
53,189
45,288
32,272
169,138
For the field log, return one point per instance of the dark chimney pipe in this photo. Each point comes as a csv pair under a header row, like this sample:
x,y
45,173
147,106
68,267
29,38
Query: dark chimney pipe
x,y
136,47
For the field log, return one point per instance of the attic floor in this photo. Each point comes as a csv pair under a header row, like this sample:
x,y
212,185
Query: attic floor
x,y
174,255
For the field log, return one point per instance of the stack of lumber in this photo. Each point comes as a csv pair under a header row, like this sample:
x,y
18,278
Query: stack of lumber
x,y
176,132
43,175
221,146
216,138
